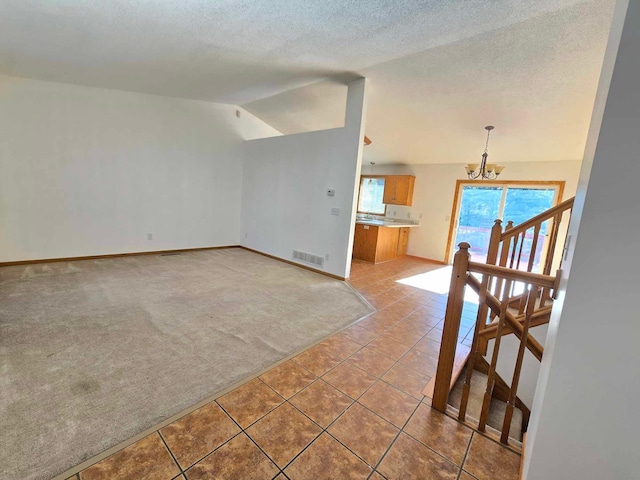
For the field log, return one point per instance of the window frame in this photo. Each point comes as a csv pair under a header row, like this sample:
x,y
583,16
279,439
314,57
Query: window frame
x,y
558,185
362,177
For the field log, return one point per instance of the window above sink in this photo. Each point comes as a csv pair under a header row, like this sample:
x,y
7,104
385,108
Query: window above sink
x,y
371,195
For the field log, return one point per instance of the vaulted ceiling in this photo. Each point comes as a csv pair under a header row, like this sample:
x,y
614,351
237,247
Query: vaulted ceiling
x,y
438,70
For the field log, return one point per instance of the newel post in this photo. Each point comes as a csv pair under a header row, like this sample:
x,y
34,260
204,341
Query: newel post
x,y
494,242
451,327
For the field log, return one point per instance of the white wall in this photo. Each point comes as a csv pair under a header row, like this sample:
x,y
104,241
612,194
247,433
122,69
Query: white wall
x,y
285,205
507,356
435,191
89,171
585,419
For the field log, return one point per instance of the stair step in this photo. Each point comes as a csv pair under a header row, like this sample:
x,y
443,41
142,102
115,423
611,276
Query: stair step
x,y
459,361
474,406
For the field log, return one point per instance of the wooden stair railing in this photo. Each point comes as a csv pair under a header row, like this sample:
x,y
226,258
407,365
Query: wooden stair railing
x,y
512,300
511,242
540,317
511,321
507,249
498,302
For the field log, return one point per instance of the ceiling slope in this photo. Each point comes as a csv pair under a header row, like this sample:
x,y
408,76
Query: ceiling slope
x,y
233,51
535,81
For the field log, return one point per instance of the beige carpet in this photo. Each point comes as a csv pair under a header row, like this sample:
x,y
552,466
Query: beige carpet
x,y
93,352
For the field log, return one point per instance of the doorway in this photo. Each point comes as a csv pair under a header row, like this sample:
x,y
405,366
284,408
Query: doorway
x,y
478,204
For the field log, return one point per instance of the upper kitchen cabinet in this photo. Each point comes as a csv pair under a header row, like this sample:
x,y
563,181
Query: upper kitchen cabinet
x,y
398,190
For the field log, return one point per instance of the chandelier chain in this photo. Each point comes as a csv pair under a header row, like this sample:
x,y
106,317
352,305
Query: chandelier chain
x,y
486,145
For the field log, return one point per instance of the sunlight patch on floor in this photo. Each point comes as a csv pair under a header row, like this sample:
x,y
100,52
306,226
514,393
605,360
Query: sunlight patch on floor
x,y
437,281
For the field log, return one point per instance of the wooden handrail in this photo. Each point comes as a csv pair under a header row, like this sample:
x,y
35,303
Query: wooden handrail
x,y
511,274
543,217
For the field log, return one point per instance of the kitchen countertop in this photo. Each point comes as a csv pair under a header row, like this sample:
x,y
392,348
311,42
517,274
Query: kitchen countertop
x,y
386,223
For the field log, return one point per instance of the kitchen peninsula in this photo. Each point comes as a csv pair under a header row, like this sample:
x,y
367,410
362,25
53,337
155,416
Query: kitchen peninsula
x,y
381,240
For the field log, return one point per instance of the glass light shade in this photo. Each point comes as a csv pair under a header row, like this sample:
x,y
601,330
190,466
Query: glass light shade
x,y
491,167
498,169
472,167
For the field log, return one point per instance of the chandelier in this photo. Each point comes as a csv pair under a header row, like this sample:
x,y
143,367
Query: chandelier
x,y
488,171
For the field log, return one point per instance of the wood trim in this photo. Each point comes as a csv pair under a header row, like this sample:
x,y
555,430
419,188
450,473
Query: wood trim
x,y
111,255
558,183
425,259
452,222
337,277
459,362
524,447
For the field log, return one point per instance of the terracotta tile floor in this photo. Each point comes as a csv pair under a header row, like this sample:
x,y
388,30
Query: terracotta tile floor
x,y
350,407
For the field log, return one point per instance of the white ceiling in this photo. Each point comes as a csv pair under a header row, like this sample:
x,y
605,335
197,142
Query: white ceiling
x,y
439,70
534,80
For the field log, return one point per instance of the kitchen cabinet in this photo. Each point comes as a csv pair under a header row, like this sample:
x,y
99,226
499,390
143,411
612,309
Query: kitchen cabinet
x,y
379,244
403,242
398,190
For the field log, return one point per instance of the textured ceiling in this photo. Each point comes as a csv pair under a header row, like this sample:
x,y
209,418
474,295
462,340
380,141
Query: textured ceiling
x,y
439,70
534,80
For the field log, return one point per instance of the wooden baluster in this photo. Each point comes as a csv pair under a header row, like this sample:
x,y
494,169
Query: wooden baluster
x,y
523,300
511,402
492,259
494,242
504,256
523,297
494,246
513,250
481,319
523,234
452,318
486,402
534,245
553,239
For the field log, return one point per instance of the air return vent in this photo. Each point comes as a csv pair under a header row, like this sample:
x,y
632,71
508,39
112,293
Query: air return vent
x,y
308,258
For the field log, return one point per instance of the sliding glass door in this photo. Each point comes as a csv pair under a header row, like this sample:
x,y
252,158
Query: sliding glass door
x,y
479,204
